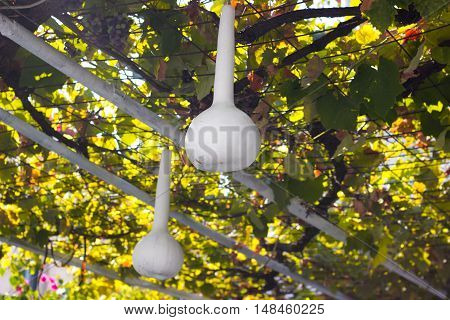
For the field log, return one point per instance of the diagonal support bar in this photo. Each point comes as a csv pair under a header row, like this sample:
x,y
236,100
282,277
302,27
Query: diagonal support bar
x,y
102,271
47,142
296,208
59,61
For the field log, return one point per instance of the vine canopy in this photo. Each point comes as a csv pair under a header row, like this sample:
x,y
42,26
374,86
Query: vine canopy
x,y
351,99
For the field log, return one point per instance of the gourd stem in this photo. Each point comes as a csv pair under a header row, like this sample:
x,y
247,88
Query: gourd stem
x,y
224,76
162,202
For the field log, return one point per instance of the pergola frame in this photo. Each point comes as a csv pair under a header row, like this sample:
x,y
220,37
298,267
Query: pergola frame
x,y
58,60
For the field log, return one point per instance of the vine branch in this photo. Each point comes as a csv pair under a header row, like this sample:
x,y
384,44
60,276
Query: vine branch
x,y
253,32
343,29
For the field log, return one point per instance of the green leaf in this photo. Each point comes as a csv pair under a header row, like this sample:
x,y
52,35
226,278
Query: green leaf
x,y
382,252
363,241
441,54
387,86
259,226
166,26
431,125
42,237
427,177
255,220
367,158
309,109
427,8
170,41
443,140
292,90
28,204
381,14
205,83
7,141
237,206
51,216
377,89
291,165
433,93
38,73
7,171
309,190
336,112
280,193
271,212
359,87
207,289
344,146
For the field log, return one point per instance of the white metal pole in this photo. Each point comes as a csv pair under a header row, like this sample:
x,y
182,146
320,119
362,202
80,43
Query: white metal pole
x,y
59,61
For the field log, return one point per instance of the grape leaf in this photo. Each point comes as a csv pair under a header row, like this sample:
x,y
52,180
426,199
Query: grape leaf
x,y
378,89
280,193
381,14
426,8
38,73
170,42
291,165
259,224
309,190
336,112
441,54
205,83
431,126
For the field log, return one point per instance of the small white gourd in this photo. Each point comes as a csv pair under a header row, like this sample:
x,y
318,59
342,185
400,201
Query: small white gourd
x,y
223,138
158,255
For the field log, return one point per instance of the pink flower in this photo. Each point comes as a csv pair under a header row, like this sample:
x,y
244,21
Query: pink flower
x,y
52,280
43,278
54,287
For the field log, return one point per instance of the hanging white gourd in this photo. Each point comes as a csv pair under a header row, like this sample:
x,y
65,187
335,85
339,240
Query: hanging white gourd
x,y
158,255
223,138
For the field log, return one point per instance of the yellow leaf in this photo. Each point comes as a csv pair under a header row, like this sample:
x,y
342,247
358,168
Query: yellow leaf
x,y
367,34
129,138
382,253
296,116
419,187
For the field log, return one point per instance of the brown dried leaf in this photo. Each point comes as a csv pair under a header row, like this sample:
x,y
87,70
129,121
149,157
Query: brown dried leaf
x,y
161,76
366,5
314,69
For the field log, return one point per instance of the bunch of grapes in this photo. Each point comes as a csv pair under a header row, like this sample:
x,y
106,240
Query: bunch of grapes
x,y
93,23
71,50
109,31
74,4
117,28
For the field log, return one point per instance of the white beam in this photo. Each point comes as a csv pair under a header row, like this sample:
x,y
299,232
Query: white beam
x,y
102,271
59,61
38,47
47,142
296,208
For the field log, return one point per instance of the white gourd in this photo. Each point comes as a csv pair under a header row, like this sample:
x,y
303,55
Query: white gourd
x,y
158,255
223,138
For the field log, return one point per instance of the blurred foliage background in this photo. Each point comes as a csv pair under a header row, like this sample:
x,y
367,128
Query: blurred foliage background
x,y
352,99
